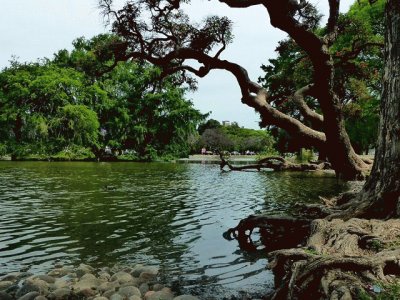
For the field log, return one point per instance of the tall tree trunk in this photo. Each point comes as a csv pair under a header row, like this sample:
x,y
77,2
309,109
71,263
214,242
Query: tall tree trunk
x,y
380,196
347,164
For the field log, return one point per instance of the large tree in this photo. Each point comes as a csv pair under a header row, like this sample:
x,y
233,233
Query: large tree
x,y
349,254
357,79
380,196
161,33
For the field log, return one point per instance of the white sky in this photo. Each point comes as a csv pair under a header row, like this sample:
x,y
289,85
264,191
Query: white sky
x,y
32,29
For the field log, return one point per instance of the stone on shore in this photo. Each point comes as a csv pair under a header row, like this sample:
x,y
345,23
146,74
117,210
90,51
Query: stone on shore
x,y
85,282
5,285
128,291
60,294
138,269
29,296
122,277
186,297
5,296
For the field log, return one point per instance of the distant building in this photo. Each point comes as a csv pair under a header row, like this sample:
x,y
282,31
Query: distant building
x,y
226,123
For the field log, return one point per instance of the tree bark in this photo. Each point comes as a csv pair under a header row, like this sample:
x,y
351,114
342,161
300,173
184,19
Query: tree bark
x,y
380,196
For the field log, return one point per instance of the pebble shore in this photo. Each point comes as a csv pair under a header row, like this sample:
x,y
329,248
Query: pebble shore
x,y
85,282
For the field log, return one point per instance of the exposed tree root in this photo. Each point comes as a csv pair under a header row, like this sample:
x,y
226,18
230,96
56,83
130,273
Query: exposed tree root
x,y
276,163
341,260
334,259
277,232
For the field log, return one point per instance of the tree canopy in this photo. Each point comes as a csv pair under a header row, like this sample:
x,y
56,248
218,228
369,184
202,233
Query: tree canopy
x,y
71,102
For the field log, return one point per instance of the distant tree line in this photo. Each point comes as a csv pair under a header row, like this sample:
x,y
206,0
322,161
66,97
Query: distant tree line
x,y
233,138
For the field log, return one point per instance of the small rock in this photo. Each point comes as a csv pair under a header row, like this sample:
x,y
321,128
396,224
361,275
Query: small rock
x,y
109,293
59,284
134,282
88,276
116,296
186,297
88,283
158,287
60,294
138,269
58,272
166,290
161,295
5,284
148,294
40,298
43,286
104,276
106,286
12,289
5,296
26,288
128,291
29,296
144,288
106,269
58,265
100,298
84,269
147,277
86,293
134,298
122,277
46,278
11,276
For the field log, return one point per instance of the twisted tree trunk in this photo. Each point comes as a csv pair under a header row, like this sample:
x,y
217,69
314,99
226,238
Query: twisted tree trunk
x,y
350,258
380,196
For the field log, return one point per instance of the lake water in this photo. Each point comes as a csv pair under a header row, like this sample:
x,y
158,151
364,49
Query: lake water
x,y
170,215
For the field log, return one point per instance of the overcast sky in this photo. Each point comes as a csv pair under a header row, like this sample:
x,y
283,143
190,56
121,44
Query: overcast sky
x,y
32,29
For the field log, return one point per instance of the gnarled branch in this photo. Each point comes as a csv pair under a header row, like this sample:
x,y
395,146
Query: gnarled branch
x,y
316,119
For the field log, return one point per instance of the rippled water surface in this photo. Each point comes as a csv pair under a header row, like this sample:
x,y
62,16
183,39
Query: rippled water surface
x,y
171,215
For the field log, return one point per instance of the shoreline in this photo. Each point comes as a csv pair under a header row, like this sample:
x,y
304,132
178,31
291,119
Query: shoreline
x,y
136,282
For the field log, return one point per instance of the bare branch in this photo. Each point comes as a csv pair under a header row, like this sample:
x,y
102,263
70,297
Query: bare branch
x,y
316,119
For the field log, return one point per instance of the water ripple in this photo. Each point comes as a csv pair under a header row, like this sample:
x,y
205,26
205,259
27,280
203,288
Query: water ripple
x,y
161,214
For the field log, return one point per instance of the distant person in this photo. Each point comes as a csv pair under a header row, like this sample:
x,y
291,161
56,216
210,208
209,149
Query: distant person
x,y
203,151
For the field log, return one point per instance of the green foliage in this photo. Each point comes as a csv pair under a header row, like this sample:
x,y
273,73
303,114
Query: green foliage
x,y
56,106
73,152
76,125
305,156
390,292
